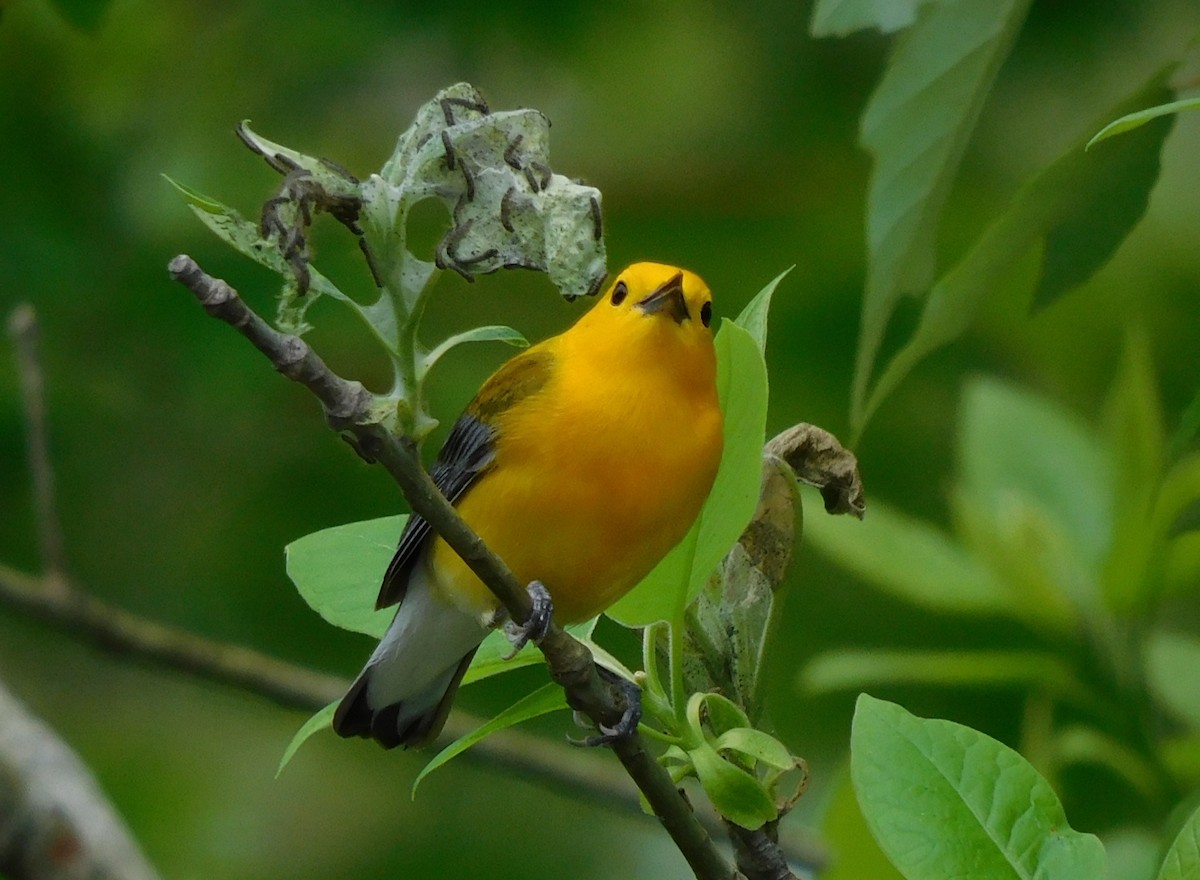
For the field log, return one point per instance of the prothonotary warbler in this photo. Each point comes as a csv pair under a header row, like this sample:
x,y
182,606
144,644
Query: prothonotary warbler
x,y
580,462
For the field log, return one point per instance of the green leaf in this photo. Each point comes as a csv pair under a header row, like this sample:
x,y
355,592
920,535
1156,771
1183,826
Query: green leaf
x,y
1078,744
338,572
1134,427
490,333
675,581
916,128
1130,121
758,745
944,800
1094,224
490,659
736,794
323,720
753,318
1172,660
1014,443
911,560
197,199
854,854
1189,426
860,669
839,18
1047,205
1182,861
546,699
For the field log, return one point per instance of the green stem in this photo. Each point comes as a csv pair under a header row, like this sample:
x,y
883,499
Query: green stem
x,y
678,693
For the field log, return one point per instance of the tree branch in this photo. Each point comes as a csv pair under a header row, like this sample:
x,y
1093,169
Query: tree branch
x,y
22,328
55,822
348,409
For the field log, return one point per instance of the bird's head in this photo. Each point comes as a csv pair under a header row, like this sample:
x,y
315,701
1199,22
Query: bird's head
x,y
654,308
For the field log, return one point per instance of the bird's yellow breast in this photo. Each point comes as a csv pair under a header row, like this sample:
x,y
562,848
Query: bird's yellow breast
x,y
600,471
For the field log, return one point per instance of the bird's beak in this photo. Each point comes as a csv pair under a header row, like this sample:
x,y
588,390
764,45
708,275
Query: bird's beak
x,y
667,299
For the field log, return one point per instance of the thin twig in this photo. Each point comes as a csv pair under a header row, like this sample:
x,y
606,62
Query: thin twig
x,y
23,329
347,409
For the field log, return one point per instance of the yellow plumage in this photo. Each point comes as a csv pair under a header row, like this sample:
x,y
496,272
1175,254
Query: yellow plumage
x,y
581,462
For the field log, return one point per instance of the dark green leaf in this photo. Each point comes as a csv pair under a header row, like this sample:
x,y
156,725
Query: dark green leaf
x,y
944,800
1095,223
1048,201
1172,661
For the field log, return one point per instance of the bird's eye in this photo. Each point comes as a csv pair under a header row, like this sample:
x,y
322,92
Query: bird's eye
x,y
619,293
706,313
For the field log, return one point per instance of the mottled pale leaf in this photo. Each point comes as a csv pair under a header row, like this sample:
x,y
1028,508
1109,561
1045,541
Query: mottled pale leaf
x,y
916,128
944,800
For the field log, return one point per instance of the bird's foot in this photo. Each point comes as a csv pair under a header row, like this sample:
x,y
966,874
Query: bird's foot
x,y
628,723
535,628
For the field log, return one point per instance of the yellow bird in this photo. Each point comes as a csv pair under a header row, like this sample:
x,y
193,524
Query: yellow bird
x,y
581,462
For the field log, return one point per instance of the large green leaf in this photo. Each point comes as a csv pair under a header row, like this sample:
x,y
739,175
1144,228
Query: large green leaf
x,y
1182,861
753,318
675,581
854,853
916,128
944,800
338,571
1046,208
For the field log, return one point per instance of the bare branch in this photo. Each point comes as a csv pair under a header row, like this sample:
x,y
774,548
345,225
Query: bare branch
x,y
23,328
55,822
347,409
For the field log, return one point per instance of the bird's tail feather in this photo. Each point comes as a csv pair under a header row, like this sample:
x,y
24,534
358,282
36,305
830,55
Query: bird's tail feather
x,y
410,723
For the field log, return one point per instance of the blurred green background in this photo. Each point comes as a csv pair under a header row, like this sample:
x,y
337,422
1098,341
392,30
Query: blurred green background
x,y
722,138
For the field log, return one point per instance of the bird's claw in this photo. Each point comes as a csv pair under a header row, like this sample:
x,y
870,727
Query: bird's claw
x,y
535,628
630,718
